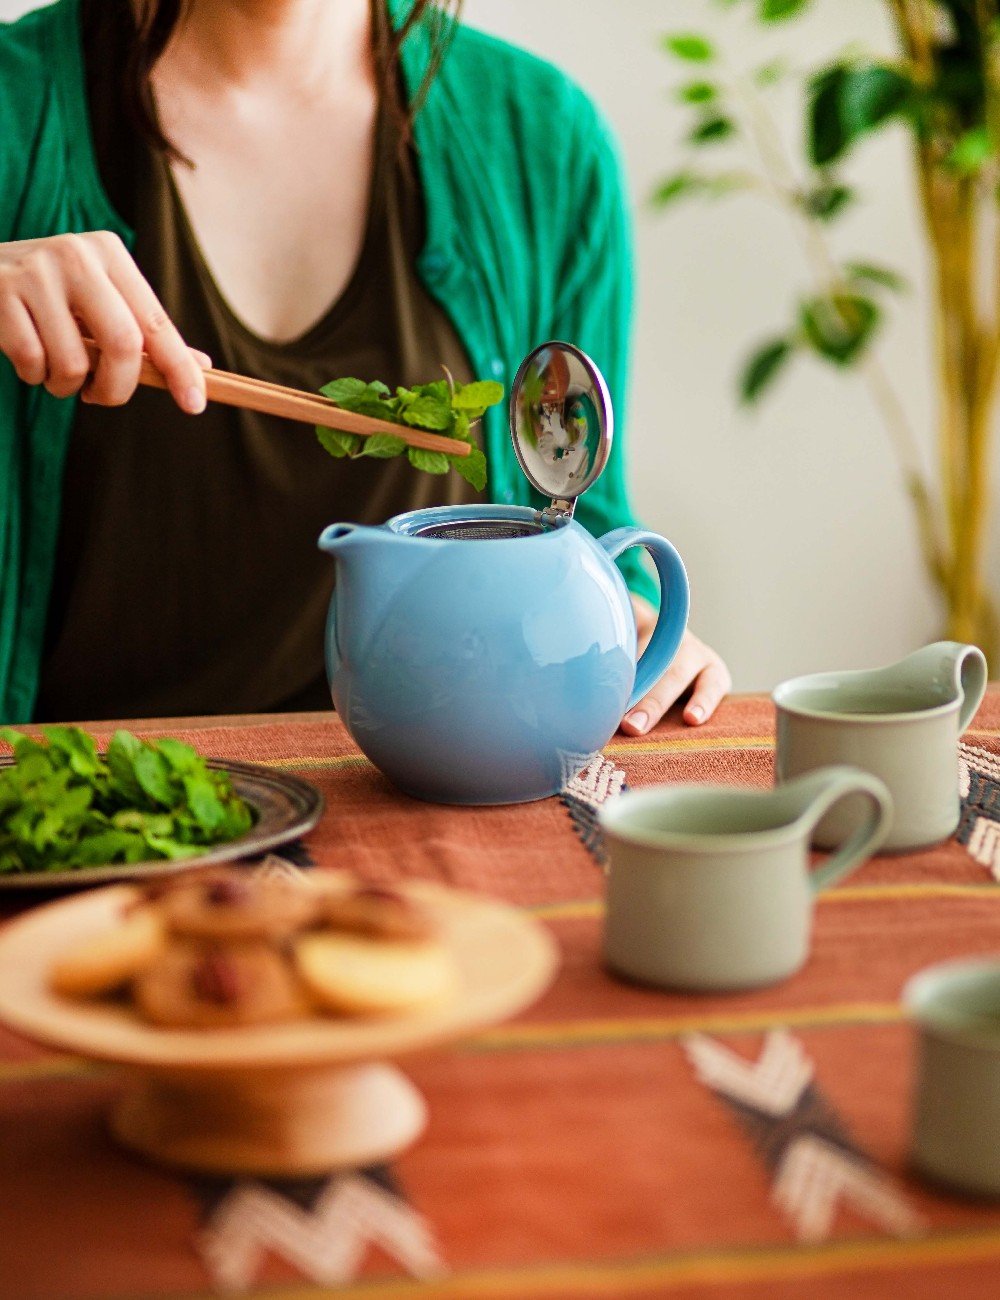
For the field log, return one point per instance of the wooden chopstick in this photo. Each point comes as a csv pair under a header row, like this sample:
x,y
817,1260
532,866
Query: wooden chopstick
x,y
294,404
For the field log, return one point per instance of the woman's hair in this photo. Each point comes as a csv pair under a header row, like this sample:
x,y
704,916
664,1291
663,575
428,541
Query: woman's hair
x,y
156,21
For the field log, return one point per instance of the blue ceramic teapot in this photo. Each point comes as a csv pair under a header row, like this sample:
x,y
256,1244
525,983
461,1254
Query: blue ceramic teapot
x,y
484,654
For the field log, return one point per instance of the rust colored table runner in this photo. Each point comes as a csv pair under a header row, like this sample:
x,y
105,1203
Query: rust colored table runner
x,y
612,1141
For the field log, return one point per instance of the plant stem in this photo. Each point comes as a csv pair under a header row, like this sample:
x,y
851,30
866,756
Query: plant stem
x,y
780,176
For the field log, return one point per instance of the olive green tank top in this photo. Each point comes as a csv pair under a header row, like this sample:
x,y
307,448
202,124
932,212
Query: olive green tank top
x,y
187,579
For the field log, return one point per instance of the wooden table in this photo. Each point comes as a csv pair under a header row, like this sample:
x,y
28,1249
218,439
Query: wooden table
x,y
613,1141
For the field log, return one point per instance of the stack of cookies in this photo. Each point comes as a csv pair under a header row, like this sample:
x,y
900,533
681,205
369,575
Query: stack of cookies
x,y
222,948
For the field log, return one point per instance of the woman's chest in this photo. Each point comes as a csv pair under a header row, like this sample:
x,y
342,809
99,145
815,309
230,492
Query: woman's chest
x,y
278,203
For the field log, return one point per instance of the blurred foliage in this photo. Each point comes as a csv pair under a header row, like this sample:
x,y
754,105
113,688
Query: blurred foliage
x,y
940,87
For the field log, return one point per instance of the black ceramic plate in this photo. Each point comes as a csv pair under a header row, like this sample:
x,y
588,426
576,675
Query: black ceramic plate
x,y
286,807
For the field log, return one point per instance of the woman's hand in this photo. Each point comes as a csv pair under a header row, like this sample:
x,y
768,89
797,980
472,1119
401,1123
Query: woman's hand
x,y
55,290
695,665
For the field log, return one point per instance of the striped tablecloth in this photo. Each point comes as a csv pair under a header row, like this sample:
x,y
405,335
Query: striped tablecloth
x,y
613,1141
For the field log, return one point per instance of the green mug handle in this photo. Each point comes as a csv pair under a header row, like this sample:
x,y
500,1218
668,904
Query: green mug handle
x,y
972,676
820,790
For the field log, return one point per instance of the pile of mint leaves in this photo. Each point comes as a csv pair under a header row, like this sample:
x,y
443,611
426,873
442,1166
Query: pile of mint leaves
x,y
65,806
442,407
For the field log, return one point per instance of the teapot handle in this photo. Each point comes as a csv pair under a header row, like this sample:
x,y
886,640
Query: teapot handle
x,y
674,603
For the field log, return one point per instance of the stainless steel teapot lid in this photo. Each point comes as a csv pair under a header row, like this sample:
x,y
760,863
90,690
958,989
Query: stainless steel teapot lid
x,y
561,422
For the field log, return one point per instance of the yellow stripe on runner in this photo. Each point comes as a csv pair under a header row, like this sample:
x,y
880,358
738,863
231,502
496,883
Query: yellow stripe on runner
x,y
591,907
586,1033
672,744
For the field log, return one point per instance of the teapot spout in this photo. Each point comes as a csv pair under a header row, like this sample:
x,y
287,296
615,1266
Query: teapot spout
x,y
334,539
373,564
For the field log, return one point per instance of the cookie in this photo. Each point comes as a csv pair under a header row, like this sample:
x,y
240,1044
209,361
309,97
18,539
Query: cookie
x,y
376,913
203,986
109,960
355,975
228,905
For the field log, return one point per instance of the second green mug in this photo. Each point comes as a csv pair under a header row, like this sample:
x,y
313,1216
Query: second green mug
x,y
710,887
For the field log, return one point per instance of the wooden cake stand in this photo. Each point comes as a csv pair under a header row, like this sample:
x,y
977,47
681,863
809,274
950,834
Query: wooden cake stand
x,y
298,1098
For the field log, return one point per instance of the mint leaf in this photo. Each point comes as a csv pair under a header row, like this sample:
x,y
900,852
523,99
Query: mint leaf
x,y
122,753
337,442
180,757
472,468
153,774
428,413
343,390
431,462
382,445
440,406
477,396
62,806
203,802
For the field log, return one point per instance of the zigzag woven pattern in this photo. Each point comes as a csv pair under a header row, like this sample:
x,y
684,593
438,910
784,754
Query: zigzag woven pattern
x,y
583,796
813,1161
979,786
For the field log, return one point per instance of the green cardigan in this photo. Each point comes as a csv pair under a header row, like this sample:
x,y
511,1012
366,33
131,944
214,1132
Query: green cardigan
x,y
527,239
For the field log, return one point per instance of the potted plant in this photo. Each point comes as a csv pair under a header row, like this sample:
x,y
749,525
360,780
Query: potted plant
x,y
943,85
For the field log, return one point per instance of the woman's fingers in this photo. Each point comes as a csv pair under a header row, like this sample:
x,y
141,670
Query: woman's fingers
x,y
19,341
164,345
695,665
711,687
54,290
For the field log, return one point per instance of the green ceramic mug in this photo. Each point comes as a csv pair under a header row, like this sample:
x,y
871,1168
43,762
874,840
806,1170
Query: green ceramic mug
x,y
956,1121
710,888
901,723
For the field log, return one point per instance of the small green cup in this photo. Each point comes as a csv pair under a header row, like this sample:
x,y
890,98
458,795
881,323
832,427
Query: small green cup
x,y
901,723
710,887
956,1108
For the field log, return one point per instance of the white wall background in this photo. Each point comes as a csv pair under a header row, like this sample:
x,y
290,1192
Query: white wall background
x,y
798,539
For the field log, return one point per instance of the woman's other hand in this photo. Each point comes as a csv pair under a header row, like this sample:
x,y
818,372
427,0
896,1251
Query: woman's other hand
x,y
695,666
54,291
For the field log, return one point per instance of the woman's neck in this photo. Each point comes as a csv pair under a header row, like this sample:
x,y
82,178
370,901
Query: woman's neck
x,y
297,42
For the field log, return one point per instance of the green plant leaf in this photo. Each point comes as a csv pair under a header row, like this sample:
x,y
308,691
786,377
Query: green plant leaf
x,y
382,446
972,150
847,101
776,11
711,130
472,468
762,368
431,462
827,200
870,94
869,273
698,92
681,185
827,138
338,443
839,326
689,47
769,74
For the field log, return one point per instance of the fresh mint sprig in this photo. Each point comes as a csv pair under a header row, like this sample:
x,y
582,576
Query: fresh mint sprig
x,y
64,806
442,407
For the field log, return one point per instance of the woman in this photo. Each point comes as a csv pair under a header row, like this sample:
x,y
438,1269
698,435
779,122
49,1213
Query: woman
x,y
241,177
